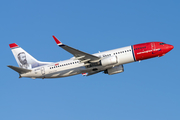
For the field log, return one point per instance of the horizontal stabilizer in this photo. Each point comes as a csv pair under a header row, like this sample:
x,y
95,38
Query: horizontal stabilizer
x,y
19,70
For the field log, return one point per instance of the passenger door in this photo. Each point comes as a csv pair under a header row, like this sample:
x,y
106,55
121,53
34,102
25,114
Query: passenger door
x,y
42,70
153,46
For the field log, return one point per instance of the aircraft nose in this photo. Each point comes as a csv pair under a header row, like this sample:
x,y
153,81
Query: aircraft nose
x,y
170,47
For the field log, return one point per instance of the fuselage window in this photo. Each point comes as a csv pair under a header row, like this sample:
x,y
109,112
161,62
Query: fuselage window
x,y
162,43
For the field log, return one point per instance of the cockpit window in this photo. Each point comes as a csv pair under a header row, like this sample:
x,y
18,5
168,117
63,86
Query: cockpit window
x,y
162,43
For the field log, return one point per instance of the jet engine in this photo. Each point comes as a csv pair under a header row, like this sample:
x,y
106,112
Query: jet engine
x,y
114,70
109,61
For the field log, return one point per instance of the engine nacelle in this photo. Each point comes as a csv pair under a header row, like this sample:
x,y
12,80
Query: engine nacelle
x,y
114,70
109,61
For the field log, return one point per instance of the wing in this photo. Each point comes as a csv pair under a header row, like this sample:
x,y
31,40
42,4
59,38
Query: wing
x,y
80,55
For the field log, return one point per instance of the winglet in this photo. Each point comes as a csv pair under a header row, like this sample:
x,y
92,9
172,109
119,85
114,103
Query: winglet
x,y
84,74
57,41
13,45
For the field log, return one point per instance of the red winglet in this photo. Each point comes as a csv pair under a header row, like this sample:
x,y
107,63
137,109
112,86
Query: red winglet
x,y
12,45
84,74
57,41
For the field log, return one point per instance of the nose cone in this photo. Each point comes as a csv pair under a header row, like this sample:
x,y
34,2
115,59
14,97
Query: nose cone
x,y
170,47
165,48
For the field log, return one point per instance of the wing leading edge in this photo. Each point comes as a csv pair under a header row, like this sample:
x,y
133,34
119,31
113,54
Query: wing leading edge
x,y
80,55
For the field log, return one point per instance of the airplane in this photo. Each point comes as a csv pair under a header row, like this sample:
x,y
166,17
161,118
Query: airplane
x,y
110,62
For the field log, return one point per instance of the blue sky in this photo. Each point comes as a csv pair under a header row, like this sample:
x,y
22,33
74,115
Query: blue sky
x,y
148,90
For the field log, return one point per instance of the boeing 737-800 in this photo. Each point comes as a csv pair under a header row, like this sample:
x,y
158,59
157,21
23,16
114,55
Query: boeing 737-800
x,y
110,62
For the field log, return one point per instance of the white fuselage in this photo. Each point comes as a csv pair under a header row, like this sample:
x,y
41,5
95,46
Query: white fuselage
x,y
72,66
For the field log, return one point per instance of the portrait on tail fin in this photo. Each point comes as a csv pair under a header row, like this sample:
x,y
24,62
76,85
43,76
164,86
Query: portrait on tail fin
x,y
23,61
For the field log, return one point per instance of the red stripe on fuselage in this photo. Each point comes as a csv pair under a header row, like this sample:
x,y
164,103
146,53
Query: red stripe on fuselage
x,y
56,64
